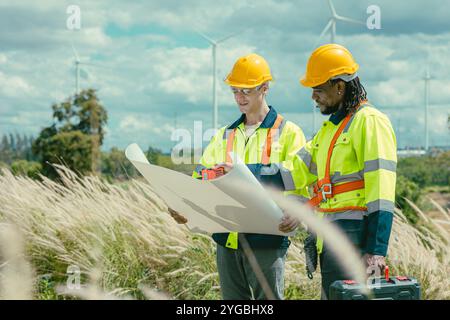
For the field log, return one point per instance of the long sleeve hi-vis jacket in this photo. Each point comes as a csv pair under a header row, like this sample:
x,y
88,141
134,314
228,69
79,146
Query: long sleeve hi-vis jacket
x,y
362,172
273,142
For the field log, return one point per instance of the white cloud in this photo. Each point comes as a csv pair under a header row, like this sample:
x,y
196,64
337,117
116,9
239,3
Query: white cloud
x,y
438,119
160,72
94,37
14,86
148,124
131,124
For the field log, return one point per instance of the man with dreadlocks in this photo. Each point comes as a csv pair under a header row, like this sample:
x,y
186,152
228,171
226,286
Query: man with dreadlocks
x,y
350,162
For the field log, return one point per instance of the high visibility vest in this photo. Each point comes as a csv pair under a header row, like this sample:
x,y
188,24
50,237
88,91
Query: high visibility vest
x,y
325,189
352,165
275,141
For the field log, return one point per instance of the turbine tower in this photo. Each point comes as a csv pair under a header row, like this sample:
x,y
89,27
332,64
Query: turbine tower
x,y
77,64
427,79
77,70
94,120
214,44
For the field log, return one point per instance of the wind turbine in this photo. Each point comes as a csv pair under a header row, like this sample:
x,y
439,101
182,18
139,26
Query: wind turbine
x,y
214,44
94,121
77,63
427,79
331,25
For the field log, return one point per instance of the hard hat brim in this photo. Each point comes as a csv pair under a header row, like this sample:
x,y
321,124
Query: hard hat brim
x,y
245,85
307,82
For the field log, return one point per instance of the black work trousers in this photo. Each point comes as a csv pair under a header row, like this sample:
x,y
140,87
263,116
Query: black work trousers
x,y
331,270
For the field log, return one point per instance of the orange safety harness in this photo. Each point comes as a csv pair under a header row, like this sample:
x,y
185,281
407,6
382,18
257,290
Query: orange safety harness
x,y
265,158
324,189
232,240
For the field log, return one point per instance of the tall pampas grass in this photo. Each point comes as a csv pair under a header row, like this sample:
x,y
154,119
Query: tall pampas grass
x,y
126,245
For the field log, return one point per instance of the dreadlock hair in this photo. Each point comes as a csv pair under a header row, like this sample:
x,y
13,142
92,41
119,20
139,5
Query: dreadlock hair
x,y
354,94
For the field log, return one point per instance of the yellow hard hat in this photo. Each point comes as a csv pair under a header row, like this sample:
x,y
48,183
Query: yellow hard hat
x,y
249,71
328,61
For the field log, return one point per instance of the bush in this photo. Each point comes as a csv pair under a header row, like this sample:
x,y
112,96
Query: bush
x,y
71,148
26,168
116,166
426,171
405,188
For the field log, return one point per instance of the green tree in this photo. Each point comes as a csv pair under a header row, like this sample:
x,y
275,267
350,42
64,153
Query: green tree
x,y
6,153
28,150
12,142
153,155
405,188
116,166
72,149
15,147
440,169
75,137
426,171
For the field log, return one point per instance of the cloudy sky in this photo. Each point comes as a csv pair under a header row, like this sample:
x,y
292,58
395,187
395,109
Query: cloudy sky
x,y
153,70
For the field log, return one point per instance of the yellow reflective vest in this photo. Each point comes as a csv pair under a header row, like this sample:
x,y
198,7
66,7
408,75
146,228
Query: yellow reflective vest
x,y
366,149
286,143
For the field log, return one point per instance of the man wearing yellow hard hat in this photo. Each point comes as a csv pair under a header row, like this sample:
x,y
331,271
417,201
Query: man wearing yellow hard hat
x,y
263,139
351,162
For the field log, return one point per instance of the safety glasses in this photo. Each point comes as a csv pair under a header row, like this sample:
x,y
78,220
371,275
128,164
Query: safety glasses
x,y
245,91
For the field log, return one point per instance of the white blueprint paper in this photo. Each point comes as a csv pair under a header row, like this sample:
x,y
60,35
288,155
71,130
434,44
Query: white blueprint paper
x,y
233,202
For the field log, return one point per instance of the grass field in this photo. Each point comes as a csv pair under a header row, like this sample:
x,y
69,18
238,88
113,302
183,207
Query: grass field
x,y
126,246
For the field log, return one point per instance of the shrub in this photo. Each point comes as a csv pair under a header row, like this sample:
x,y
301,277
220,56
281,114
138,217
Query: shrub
x,y
405,188
27,168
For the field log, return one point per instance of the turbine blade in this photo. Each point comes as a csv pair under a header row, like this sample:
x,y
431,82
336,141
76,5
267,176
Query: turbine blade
x,y
428,55
333,32
206,37
84,74
333,11
230,36
95,65
427,73
341,18
75,53
327,27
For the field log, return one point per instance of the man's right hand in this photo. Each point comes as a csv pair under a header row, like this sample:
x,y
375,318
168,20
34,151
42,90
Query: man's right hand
x,y
178,217
288,224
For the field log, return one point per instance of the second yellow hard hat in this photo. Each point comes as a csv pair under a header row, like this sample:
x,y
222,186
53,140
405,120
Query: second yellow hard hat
x,y
328,61
249,71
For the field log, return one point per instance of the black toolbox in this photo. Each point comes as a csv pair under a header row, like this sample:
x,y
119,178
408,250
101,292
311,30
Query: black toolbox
x,y
389,288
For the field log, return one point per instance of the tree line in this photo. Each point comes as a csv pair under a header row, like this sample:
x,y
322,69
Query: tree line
x,y
74,140
14,147
77,132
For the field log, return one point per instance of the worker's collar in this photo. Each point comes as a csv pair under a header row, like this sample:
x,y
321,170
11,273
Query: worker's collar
x,y
268,121
338,116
